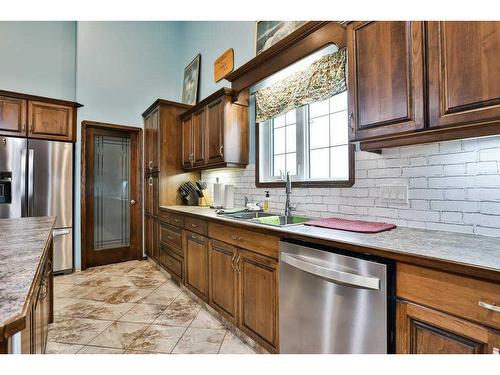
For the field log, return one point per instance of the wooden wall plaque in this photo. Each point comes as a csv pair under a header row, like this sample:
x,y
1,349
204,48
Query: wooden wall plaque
x,y
224,65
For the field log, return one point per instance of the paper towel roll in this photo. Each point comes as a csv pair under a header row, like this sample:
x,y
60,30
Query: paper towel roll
x,y
229,196
218,195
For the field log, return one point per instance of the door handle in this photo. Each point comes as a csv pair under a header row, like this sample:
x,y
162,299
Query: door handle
x,y
132,202
489,306
31,204
24,207
330,274
60,232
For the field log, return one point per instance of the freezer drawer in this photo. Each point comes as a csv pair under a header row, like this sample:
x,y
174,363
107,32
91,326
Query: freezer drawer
x,y
63,249
332,303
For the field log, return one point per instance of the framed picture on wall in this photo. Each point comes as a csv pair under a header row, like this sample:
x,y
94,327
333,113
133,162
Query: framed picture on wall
x,y
269,33
191,81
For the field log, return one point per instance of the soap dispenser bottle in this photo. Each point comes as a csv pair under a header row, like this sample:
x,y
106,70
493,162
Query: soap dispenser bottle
x,y
265,206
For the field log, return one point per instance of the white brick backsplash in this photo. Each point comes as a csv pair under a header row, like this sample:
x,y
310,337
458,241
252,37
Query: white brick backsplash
x,y
491,154
435,170
462,157
452,186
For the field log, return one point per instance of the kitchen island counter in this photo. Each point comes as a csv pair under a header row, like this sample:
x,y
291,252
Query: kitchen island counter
x,y
24,246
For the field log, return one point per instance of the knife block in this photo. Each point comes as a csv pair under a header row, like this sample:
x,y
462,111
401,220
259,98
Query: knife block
x,y
191,199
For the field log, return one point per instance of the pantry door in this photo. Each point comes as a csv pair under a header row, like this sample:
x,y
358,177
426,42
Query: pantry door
x,y
111,194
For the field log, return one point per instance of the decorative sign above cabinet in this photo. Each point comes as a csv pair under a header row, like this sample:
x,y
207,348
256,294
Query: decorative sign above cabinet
x,y
224,65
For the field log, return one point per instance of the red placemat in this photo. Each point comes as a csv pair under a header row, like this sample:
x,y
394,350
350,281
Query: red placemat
x,y
351,225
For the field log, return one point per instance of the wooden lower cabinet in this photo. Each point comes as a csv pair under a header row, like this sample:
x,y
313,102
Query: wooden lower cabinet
x,y
421,330
244,288
171,261
151,229
196,263
259,298
223,279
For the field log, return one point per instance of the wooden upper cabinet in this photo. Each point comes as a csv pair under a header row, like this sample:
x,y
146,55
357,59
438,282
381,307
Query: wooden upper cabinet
x,y
421,330
198,139
151,141
51,121
196,264
223,279
215,131
187,142
385,77
12,116
464,72
259,298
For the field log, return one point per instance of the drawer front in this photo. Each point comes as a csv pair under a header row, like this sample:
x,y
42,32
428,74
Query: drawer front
x,y
257,242
164,216
169,260
177,220
196,225
462,296
171,236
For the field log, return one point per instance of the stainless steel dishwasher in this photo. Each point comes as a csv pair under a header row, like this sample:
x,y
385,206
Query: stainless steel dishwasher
x,y
335,302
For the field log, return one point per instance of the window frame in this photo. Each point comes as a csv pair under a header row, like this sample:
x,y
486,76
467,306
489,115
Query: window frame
x,y
311,183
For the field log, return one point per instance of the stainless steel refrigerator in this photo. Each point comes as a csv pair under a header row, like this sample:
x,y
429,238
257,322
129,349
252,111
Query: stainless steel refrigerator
x,y
36,179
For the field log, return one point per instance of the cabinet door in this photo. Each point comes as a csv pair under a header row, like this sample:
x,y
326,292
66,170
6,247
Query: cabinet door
x,y
148,235
223,279
196,258
151,141
50,121
155,251
464,72
386,78
155,196
12,116
199,137
148,195
259,298
215,131
421,330
187,142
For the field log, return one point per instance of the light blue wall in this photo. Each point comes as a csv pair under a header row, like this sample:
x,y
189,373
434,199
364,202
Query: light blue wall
x,y
38,58
212,39
122,67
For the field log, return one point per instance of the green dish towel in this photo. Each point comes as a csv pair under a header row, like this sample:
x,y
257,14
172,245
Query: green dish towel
x,y
234,210
272,220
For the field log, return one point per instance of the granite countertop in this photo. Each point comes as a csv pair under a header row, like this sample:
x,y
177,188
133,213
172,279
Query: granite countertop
x,y
469,250
22,245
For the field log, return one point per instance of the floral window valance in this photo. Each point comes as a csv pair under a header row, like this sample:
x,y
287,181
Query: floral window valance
x,y
321,80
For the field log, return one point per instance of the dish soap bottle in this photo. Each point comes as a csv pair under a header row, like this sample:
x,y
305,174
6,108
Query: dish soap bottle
x,y
265,206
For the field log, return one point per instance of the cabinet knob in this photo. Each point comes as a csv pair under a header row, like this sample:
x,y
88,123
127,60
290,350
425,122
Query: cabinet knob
x,y
236,238
132,202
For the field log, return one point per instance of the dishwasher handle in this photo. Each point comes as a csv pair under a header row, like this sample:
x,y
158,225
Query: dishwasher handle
x,y
333,275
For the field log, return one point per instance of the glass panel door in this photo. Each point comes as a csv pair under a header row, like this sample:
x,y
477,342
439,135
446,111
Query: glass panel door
x,y
111,192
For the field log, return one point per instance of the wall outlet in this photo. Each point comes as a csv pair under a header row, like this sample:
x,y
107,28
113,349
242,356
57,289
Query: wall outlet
x,y
397,195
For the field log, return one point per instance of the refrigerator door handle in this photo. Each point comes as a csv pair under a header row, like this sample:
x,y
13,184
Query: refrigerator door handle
x,y
60,232
24,207
30,183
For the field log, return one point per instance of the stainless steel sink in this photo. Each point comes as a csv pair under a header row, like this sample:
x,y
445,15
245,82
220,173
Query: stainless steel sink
x,y
248,215
282,221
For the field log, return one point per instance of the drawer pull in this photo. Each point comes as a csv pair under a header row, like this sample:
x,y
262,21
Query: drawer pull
x,y
170,264
489,306
194,236
176,220
236,238
170,237
194,225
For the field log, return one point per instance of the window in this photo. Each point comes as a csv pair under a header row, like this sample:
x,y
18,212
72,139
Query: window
x,y
310,142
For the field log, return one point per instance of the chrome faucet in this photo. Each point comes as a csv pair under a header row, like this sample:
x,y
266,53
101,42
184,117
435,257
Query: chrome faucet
x,y
288,191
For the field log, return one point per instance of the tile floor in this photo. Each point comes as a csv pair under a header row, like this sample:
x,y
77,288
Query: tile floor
x,y
132,307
